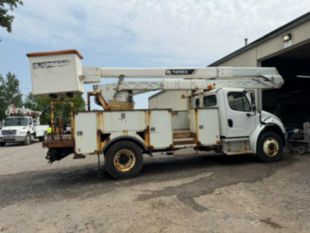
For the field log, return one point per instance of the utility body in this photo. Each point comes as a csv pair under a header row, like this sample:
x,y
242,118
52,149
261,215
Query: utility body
x,y
21,126
223,114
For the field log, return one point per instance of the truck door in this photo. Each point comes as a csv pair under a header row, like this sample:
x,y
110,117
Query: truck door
x,y
240,119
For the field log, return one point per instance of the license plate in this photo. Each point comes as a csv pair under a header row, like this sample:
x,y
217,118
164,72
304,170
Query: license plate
x,y
8,138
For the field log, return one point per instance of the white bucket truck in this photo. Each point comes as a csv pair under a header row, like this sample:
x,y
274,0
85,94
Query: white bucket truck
x,y
224,113
21,126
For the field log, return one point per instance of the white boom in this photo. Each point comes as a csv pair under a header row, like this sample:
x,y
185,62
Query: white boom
x,y
247,77
191,79
12,111
92,73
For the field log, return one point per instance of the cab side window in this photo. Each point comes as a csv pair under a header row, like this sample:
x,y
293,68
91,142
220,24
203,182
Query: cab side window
x,y
209,101
30,121
239,102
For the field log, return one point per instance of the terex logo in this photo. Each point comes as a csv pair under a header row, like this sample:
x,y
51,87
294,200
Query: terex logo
x,y
180,71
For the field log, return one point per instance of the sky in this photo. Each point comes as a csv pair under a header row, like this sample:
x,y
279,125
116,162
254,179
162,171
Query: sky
x,y
139,33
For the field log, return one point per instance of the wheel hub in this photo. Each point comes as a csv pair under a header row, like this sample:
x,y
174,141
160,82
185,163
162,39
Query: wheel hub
x,y
124,160
271,147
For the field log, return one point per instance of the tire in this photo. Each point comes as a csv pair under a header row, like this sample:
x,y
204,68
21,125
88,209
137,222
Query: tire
x,y
27,140
269,147
41,139
123,160
2,143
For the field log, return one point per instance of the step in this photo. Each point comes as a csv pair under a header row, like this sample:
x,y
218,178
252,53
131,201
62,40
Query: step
x,y
184,142
183,134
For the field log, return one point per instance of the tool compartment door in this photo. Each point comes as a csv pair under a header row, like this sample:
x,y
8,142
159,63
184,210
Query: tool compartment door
x,y
85,133
208,126
160,128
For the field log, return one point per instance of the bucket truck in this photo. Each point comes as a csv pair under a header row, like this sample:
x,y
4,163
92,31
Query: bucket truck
x,y
22,126
224,113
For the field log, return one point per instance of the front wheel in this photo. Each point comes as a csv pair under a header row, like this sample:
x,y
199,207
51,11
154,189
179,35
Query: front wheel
x,y
2,143
269,147
124,159
27,140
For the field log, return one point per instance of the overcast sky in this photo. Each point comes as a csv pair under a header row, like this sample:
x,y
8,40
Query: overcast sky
x,y
140,32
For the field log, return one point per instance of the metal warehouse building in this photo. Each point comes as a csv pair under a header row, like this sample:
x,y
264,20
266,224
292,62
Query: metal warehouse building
x,y
288,49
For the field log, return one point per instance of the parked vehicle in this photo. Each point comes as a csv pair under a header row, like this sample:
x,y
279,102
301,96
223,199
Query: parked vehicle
x,y
223,114
22,126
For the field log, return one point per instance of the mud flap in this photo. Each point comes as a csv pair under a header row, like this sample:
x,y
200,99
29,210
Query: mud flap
x,y
55,154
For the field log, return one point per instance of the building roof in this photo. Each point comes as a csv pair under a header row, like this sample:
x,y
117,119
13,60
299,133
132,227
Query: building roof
x,y
296,22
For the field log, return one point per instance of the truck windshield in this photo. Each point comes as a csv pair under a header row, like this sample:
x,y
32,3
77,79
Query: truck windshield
x,y
18,121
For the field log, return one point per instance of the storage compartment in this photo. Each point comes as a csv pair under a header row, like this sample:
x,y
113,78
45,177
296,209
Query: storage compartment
x,y
208,126
85,132
205,124
123,121
57,72
160,126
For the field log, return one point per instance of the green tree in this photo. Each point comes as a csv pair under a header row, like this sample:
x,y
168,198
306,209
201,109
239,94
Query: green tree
x,y
42,104
9,93
6,6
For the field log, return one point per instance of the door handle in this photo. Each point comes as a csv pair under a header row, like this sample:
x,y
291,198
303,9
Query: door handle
x,y
249,114
230,123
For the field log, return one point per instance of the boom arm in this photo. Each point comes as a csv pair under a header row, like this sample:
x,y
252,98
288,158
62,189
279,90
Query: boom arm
x,y
185,79
93,74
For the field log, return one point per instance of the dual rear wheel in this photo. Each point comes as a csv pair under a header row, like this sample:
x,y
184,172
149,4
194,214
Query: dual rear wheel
x,y
124,159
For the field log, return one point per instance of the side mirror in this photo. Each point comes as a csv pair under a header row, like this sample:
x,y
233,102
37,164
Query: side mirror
x,y
252,96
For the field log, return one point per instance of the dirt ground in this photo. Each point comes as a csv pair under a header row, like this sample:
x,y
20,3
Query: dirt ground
x,y
188,194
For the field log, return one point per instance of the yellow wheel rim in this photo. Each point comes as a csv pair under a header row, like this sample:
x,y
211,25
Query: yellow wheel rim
x,y
124,160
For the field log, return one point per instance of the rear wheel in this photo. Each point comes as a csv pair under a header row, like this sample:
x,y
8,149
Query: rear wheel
x,y
269,147
2,143
124,159
27,140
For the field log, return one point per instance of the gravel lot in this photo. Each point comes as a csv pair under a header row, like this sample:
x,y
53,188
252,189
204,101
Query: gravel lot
x,y
196,194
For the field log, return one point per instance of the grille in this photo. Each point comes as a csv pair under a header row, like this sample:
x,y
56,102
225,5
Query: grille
x,y
8,132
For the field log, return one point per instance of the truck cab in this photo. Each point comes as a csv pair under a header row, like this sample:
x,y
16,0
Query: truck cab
x,y
241,124
17,129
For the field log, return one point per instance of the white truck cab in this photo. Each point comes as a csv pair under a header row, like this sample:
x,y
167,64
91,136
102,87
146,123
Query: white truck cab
x,y
17,129
241,124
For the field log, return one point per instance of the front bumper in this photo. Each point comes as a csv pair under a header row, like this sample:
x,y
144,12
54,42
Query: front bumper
x,y
12,138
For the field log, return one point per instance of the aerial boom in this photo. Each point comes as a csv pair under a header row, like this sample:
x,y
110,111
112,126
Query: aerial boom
x,y
62,72
196,79
93,74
